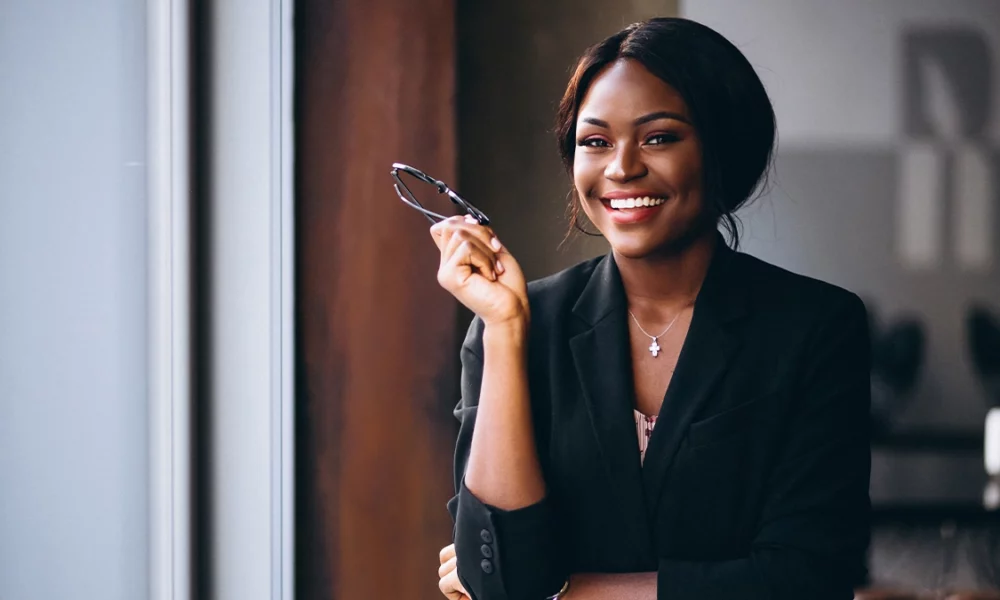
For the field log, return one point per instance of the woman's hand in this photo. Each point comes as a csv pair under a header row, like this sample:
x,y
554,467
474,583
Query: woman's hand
x,y
477,270
448,582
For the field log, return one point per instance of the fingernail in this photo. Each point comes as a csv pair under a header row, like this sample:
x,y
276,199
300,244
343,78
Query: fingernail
x,y
471,220
496,244
499,267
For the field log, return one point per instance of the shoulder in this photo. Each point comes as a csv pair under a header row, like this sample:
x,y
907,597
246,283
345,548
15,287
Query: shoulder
x,y
553,299
564,287
794,297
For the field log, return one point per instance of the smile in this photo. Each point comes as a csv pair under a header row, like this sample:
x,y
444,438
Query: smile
x,y
625,203
631,211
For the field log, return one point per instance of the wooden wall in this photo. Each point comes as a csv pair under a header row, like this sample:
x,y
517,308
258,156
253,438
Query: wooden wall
x,y
376,335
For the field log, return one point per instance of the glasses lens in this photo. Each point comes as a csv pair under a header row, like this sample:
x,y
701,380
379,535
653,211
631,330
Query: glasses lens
x,y
428,197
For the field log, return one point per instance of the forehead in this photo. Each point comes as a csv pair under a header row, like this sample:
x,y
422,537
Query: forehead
x,y
625,89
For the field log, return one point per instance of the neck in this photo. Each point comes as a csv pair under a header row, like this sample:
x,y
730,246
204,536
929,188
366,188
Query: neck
x,y
657,287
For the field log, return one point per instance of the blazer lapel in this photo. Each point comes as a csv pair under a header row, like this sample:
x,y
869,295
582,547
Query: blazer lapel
x,y
705,355
604,367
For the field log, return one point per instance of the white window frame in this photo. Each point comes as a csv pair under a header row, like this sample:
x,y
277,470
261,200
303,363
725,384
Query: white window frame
x,y
250,249
169,286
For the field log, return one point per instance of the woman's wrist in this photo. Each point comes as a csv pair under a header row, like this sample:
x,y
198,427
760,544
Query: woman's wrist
x,y
512,331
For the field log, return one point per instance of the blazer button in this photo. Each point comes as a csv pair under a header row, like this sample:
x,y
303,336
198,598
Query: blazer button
x,y
487,566
487,536
487,551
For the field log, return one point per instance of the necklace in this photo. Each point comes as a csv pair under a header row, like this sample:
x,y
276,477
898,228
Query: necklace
x,y
654,348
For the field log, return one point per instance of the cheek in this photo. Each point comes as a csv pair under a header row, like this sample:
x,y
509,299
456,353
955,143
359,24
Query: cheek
x,y
694,168
685,171
587,173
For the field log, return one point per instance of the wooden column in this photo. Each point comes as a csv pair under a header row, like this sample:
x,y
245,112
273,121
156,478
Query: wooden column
x,y
376,334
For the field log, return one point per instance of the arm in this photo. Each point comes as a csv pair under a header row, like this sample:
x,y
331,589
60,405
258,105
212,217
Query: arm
x,y
498,478
814,527
502,517
503,468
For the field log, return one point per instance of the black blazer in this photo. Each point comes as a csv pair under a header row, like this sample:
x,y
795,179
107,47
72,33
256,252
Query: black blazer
x,y
755,482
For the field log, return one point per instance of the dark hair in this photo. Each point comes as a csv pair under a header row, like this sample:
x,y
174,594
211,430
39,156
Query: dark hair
x,y
729,106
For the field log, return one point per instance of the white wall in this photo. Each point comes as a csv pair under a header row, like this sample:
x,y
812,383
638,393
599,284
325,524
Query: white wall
x,y
73,432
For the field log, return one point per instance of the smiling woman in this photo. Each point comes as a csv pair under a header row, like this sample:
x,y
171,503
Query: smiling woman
x,y
706,99
623,164
729,458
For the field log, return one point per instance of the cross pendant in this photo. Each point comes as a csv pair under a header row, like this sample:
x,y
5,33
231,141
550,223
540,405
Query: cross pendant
x,y
654,348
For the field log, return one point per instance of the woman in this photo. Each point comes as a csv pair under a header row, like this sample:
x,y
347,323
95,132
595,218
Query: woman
x,y
753,381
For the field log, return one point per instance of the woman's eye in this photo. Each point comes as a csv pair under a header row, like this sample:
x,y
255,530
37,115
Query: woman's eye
x,y
662,138
593,143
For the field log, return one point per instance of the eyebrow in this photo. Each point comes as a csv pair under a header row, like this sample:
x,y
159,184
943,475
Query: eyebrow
x,y
656,116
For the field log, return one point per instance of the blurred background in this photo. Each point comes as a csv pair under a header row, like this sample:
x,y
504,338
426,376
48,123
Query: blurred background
x,y
227,370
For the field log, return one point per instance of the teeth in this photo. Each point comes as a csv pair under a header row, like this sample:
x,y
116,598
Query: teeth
x,y
636,202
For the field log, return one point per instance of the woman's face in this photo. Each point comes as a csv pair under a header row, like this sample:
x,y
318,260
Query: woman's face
x,y
637,166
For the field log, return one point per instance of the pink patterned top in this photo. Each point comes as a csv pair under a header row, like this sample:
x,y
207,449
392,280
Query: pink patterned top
x,y
644,428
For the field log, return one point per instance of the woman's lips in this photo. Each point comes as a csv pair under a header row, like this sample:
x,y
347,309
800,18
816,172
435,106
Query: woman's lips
x,y
636,214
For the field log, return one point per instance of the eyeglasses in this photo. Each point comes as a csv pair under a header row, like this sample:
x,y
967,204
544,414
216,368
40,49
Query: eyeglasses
x,y
433,217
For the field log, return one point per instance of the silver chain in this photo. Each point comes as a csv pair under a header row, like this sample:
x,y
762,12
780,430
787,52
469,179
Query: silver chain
x,y
654,337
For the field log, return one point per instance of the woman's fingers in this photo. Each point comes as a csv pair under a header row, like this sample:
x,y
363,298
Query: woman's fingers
x,y
471,235
464,235
452,588
472,262
447,567
448,580
443,231
465,242
463,253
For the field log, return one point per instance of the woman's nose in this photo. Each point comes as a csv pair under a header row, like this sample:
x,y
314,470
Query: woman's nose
x,y
625,165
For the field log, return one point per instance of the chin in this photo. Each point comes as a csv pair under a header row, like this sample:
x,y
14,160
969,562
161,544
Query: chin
x,y
650,244
632,246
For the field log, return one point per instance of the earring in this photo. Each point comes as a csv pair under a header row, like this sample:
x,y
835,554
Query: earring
x,y
574,212
576,225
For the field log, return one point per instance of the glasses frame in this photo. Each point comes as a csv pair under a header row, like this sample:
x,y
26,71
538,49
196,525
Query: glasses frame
x,y
442,188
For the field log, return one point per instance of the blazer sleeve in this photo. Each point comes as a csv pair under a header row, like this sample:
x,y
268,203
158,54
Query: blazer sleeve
x,y
814,530
501,554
